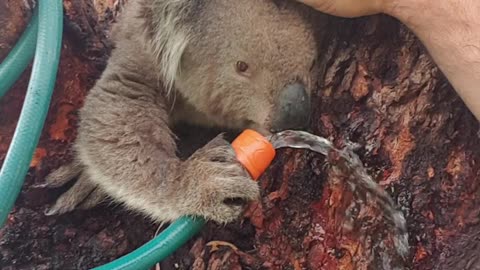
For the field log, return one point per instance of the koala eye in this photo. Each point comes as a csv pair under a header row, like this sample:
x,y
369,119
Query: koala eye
x,y
241,66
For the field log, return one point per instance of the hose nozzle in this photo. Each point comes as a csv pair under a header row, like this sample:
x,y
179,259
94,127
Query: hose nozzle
x,y
254,151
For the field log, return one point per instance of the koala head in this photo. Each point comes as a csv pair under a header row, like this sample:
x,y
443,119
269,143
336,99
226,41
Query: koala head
x,y
241,63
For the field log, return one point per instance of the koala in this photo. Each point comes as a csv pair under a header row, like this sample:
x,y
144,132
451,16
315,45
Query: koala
x,y
214,63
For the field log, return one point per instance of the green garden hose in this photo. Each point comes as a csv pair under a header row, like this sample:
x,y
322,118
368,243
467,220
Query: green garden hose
x,y
20,56
35,108
157,249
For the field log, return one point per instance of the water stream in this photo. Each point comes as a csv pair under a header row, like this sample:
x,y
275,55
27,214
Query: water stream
x,y
358,179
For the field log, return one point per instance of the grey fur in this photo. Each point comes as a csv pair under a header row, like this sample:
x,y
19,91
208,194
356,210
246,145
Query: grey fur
x,y
181,54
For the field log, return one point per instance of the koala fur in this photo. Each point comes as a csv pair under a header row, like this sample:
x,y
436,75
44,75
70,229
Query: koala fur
x,y
183,61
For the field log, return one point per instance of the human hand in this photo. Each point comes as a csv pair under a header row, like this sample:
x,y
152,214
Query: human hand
x,y
347,8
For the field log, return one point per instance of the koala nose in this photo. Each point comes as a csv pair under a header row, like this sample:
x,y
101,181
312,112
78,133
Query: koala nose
x,y
293,108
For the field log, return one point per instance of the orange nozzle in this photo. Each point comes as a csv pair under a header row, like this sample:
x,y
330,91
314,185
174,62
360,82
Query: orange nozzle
x,y
254,151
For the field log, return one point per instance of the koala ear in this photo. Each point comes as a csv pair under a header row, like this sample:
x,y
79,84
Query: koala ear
x,y
167,34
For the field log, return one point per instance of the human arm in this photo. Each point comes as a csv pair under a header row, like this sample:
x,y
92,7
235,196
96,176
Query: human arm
x,y
450,30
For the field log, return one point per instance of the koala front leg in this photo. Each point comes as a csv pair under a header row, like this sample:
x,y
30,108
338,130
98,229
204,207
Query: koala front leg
x,y
128,150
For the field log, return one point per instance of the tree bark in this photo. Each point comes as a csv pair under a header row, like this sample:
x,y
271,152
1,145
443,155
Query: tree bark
x,y
378,88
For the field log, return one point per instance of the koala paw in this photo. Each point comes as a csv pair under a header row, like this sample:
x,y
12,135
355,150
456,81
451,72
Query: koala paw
x,y
218,187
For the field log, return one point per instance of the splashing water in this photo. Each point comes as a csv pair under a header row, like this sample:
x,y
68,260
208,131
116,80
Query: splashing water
x,y
349,163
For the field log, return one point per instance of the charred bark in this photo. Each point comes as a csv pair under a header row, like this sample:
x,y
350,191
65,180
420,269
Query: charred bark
x,y
379,88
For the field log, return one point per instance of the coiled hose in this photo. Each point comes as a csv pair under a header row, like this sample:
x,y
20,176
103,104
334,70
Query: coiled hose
x,y
37,101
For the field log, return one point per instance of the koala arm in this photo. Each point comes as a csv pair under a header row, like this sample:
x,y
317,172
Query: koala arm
x,y
128,150
126,145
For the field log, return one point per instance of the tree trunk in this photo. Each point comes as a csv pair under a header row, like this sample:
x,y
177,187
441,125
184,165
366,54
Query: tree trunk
x,y
379,88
